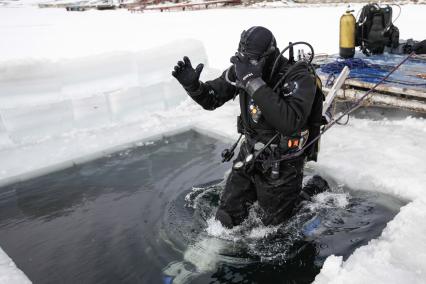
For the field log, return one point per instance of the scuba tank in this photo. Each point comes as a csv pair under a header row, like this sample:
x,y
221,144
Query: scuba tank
x,y
347,35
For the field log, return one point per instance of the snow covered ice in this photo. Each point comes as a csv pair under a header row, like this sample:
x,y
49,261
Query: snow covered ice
x,y
74,86
8,272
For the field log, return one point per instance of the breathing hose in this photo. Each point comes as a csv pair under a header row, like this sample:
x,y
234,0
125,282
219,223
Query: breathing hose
x,y
291,45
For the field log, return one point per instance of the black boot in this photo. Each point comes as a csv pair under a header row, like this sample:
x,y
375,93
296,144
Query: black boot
x,y
224,219
314,186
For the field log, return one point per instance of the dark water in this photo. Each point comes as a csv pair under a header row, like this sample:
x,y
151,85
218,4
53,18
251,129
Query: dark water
x,y
133,217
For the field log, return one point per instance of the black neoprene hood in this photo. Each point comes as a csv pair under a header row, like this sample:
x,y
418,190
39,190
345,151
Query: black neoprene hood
x,y
257,42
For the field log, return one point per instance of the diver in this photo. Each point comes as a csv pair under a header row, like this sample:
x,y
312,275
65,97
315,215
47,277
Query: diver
x,y
273,122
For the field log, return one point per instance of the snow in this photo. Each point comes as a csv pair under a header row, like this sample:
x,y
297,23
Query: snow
x,y
57,34
74,86
389,166
398,256
9,274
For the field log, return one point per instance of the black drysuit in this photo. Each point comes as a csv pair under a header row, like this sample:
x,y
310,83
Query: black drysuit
x,y
287,111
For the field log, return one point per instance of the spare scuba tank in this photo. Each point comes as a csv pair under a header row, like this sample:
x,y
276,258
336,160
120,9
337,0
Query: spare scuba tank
x,y
347,35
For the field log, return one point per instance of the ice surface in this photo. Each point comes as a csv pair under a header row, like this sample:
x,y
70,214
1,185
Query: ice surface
x,y
85,99
9,274
76,85
398,256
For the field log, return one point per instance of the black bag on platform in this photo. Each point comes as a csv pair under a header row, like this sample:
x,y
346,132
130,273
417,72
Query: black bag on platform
x,y
420,47
411,45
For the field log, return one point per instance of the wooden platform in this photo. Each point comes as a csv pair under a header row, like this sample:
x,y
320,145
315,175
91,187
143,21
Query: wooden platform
x,y
409,94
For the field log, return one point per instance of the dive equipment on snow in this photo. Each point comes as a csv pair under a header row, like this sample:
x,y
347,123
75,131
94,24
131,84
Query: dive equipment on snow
x,y
347,35
375,29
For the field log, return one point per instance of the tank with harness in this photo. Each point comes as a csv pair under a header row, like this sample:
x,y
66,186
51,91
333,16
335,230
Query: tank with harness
x,y
375,29
268,155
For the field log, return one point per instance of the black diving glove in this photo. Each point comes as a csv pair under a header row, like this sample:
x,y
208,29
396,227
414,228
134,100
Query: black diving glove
x,y
187,76
248,72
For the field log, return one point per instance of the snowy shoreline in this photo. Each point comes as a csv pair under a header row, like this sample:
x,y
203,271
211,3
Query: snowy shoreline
x,y
245,4
41,39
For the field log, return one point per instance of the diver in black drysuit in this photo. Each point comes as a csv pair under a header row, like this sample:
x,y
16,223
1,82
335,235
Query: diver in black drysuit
x,y
264,112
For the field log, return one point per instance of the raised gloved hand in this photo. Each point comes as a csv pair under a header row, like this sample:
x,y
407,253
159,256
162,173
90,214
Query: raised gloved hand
x,y
246,69
187,76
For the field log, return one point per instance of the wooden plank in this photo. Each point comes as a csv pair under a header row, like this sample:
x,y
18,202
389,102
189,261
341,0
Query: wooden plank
x,y
389,89
417,93
380,99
